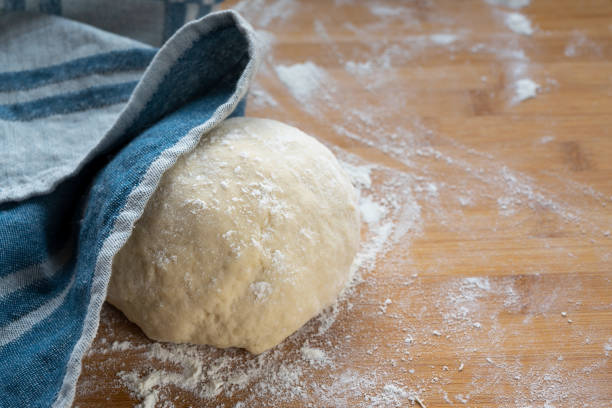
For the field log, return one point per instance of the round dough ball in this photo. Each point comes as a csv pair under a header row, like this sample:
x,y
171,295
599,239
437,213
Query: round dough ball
x,y
245,239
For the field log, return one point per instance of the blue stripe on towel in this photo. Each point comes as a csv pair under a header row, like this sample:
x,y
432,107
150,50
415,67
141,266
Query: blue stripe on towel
x,y
94,97
114,61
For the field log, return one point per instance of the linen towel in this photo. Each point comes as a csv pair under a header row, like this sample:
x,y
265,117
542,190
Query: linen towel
x,y
89,122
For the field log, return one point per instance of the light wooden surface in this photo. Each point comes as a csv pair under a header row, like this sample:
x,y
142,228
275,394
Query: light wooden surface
x,y
507,269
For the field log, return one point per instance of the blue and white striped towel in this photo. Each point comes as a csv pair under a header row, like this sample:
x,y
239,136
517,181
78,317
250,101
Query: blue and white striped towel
x,y
89,121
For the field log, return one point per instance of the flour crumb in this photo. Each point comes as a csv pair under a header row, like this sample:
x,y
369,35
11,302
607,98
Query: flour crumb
x,y
464,201
464,399
395,390
443,38
383,307
196,205
314,355
261,290
518,23
392,396
121,346
546,139
524,89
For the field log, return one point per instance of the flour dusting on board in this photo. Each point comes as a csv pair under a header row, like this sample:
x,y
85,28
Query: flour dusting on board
x,y
419,187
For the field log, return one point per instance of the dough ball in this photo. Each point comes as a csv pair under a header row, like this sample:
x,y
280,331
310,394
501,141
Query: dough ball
x,y
245,239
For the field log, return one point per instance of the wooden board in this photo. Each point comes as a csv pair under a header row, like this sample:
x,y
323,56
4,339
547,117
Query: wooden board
x,y
498,269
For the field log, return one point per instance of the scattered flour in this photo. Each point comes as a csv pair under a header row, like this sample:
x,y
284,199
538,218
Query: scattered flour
x,y
302,80
360,175
501,52
384,11
580,44
359,68
518,23
261,98
393,395
264,13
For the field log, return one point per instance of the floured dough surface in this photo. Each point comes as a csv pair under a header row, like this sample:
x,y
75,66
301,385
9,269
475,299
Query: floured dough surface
x,y
245,239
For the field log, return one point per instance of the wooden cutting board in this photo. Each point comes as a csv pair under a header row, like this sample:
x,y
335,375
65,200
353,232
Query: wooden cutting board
x,y
486,273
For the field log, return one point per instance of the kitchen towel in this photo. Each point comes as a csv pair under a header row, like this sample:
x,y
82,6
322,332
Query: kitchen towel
x,y
89,122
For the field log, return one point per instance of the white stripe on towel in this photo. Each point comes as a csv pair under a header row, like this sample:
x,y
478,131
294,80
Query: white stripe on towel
x,y
18,328
31,274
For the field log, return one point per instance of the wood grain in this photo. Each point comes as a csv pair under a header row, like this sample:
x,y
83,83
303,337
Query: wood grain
x,y
508,269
